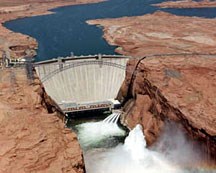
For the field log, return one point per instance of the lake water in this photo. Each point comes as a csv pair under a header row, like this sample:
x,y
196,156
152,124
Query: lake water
x,y
66,30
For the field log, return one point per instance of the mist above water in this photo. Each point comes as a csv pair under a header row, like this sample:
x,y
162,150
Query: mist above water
x,y
176,146
105,153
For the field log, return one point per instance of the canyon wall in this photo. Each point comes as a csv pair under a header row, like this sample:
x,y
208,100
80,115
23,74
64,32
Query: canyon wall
x,y
32,136
172,88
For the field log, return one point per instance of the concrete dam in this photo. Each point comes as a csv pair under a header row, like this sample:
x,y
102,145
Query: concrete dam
x,y
80,83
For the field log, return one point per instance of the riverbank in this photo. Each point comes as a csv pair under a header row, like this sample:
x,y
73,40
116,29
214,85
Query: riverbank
x,y
18,45
32,136
186,4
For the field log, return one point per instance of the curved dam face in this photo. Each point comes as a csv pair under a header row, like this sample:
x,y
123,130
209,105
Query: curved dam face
x,y
79,83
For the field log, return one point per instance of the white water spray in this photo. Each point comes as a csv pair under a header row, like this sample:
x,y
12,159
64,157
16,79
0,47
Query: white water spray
x,y
132,157
91,133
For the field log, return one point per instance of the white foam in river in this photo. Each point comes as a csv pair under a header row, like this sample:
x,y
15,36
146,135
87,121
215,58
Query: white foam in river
x,y
93,132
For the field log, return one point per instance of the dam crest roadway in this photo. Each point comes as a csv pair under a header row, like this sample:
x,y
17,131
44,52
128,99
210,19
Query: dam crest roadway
x,y
80,83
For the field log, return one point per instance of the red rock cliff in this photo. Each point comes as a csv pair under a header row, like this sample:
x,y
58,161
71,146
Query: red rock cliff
x,y
172,88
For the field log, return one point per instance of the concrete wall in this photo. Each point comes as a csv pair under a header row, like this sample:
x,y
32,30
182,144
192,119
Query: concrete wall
x,y
92,82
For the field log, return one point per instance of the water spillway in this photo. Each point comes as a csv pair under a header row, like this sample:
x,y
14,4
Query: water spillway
x,y
113,118
83,83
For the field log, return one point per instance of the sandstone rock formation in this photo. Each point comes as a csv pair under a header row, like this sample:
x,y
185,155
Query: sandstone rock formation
x,y
159,33
187,4
31,139
172,88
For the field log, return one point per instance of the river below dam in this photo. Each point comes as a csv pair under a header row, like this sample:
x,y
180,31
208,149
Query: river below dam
x,y
66,30
108,148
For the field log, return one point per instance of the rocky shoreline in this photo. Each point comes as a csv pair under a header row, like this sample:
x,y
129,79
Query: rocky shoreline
x,y
187,4
159,33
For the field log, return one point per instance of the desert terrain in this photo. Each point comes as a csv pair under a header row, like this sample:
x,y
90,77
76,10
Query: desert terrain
x,y
159,33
